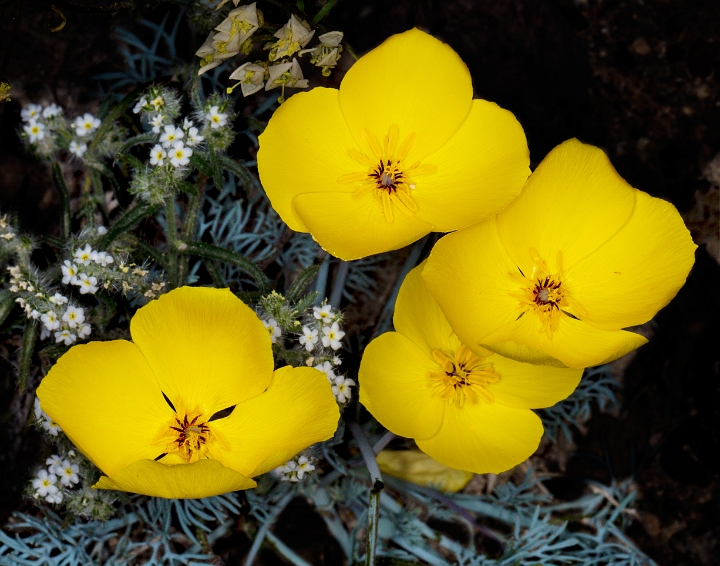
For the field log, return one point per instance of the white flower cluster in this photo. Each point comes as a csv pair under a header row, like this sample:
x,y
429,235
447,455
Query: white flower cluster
x,y
296,469
44,125
60,474
65,321
321,336
73,273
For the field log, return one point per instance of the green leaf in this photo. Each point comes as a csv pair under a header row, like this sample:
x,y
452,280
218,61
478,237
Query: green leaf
x,y
210,251
198,161
64,200
26,354
142,138
324,11
240,171
131,160
188,188
306,275
215,273
54,351
114,114
306,301
7,302
217,172
127,221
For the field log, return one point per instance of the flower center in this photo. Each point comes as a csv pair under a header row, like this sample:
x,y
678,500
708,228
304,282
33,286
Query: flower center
x,y
545,294
388,177
187,436
464,377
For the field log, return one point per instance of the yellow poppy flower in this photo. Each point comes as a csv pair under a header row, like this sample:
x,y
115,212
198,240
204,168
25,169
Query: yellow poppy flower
x,y
470,411
419,468
143,411
553,279
400,150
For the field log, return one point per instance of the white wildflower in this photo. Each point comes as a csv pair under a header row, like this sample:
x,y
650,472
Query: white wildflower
x,y
303,467
68,473
193,137
309,338
55,497
87,284
341,388
273,329
35,131
324,313
102,258
216,118
77,149
50,320
179,154
51,426
171,135
101,230
52,110
52,462
327,54
157,103
157,155
74,316
32,112
187,124
66,337
327,369
82,255
69,271
332,336
58,299
86,124
44,483
139,105
156,122
83,331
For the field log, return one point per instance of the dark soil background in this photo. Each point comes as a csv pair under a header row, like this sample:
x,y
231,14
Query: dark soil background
x,y
640,79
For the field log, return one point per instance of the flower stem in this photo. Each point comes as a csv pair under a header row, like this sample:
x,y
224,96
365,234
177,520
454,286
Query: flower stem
x,y
339,284
172,242
377,486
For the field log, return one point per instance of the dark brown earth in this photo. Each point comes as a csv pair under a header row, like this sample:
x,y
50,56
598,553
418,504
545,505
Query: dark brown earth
x,y
639,79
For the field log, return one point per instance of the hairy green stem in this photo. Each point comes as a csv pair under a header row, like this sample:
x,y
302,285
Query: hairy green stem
x,y
172,242
28,348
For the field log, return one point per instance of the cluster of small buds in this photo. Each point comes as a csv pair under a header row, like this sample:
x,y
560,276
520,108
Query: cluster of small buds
x,y
44,421
296,469
64,321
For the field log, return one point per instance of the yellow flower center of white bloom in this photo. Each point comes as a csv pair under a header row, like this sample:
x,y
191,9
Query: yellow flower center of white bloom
x,y
544,293
179,153
464,377
389,179
46,483
215,118
35,130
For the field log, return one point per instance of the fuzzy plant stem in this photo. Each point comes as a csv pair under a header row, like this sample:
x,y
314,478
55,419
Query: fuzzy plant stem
x,y
172,243
189,228
377,486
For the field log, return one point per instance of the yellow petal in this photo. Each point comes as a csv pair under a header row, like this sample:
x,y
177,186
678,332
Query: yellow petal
x,y
574,344
480,170
351,228
484,438
306,148
413,81
468,273
573,203
638,271
205,347
105,398
529,386
297,410
419,468
395,386
418,316
204,478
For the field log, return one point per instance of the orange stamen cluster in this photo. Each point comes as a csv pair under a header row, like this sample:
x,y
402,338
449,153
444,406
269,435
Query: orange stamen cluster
x,y
545,294
388,177
464,377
